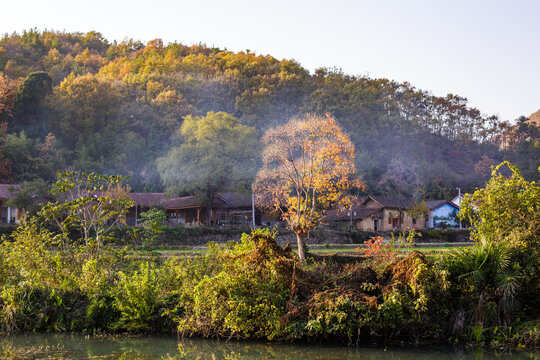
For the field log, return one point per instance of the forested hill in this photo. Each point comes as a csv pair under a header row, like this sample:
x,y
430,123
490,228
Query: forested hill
x,y
73,100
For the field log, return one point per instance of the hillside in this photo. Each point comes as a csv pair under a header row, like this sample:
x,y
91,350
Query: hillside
x,y
534,118
74,100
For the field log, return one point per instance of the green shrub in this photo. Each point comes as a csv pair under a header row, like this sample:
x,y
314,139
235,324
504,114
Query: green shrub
x,y
436,234
101,314
137,299
488,277
26,308
153,224
336,314
30,258
507,210
244,296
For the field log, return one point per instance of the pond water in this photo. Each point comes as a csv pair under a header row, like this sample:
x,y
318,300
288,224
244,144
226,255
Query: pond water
x,y
69,346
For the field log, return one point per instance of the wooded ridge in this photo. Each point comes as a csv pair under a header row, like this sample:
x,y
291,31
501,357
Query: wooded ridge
x,y
78,101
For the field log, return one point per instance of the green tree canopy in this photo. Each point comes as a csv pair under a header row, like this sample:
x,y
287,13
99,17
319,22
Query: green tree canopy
x,y
217,153
92,203
29,109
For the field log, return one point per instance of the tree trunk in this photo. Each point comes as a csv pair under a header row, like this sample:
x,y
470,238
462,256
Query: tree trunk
x,y
210,199
301,247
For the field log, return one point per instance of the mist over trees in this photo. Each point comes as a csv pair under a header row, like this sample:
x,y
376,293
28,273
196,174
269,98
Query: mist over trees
x,y
216,153
77,101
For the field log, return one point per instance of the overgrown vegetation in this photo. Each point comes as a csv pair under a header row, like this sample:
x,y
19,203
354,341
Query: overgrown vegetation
x,y
254,289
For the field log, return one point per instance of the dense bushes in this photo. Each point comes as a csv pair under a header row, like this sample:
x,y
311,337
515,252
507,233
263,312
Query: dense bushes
x,y
506,210
234,290
256,289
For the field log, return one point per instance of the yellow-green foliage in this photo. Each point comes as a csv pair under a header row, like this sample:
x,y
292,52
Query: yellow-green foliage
x,y
506,210
337,313
245,295
137,297
256,289
29,260
414,298
496,281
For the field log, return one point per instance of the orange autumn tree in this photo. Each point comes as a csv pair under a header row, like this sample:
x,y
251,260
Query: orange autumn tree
x,y
308,168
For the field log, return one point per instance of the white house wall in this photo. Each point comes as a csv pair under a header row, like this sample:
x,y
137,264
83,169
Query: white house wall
x,y
441,214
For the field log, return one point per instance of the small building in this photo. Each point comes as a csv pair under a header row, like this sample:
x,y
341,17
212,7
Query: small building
x,y
8,215
186,210
143,202
227,209
237,211
378,213
392,214
457,200
442,213
356,216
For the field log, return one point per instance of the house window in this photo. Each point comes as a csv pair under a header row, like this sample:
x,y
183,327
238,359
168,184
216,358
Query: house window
x,y
414,221
389,220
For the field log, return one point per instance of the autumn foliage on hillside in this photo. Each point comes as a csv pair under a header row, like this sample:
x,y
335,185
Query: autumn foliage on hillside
x,y
117,107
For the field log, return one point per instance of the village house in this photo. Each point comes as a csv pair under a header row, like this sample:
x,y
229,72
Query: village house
x,y
378,213
390,214
442,213
8,215
228,209
457,200
143,202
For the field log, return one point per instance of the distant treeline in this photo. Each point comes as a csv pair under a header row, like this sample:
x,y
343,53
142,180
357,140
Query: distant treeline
x,y
75,100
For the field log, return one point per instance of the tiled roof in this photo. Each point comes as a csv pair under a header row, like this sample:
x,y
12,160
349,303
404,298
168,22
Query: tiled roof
x,y
358,213
235,199
228,199
392,202
192,201
147,199
183,202
4,190
433,204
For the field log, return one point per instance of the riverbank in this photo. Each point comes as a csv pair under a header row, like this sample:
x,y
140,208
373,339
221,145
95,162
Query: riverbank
x,y
256,289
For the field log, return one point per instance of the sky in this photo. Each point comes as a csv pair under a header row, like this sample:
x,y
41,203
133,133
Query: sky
x,y
486,51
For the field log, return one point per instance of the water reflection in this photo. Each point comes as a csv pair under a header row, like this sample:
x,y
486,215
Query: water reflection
x,y
64,346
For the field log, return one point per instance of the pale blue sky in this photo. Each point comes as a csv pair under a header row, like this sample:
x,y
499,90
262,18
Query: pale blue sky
x,y
487,51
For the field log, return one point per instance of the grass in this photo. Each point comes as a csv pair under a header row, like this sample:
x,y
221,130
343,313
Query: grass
x,y
434,248
316,248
